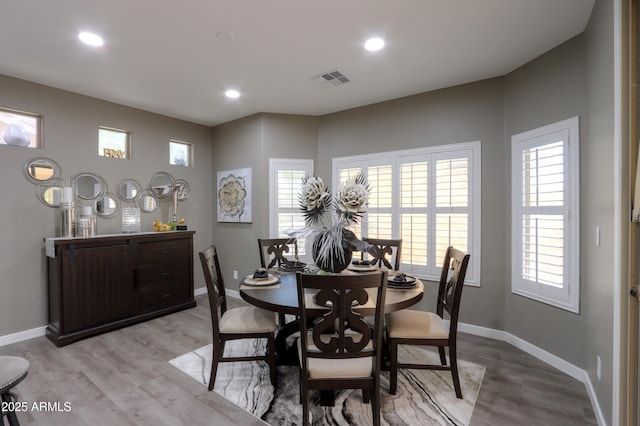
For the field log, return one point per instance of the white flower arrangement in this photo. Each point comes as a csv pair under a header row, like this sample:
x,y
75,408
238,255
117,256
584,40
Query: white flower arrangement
x,y
328,228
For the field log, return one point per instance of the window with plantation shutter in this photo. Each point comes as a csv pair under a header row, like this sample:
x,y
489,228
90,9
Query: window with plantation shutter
x,y
428,197
545,219
285,178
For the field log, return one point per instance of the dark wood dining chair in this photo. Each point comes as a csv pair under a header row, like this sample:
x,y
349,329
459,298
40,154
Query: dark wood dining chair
x,y
383,248
411,327
337,348
237,323
13,369
272,251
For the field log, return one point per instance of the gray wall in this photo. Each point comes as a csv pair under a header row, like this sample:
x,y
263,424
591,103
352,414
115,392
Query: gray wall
x,y
70,138
250,142
549,89
597,203
460,114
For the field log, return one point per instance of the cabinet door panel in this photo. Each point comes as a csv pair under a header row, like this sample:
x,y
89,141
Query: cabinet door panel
x,y
97,287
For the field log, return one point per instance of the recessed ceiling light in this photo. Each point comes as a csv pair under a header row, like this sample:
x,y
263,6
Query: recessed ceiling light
x,y
232,94
90,39
374,44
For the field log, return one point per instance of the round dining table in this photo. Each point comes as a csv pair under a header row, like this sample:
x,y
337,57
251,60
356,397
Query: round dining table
x,y
282,297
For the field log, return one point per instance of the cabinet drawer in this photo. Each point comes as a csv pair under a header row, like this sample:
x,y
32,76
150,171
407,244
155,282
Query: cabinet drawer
x,y
162,295
164,252
156,274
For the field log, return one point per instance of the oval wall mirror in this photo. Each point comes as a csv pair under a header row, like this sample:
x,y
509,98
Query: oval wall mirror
x,y
89,186
161,184
128,189
41,170
107,205
50,193
184,190
147,201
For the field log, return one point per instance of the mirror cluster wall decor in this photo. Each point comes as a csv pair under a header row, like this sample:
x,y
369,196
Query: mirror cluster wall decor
x,y
183,189
161,184
42,170
86,196
108,205
88,186
50,192
147,201
128,190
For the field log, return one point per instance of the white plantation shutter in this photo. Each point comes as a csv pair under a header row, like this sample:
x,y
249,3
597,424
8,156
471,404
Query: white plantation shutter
x,y
379,220
425,197
285,179
451,202
414,223
289,214
545,232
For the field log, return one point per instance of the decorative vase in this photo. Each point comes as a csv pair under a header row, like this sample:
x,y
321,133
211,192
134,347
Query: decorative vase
x,y
337,261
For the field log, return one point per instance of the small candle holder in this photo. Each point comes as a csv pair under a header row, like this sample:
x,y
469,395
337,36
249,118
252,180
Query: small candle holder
x,y
130,220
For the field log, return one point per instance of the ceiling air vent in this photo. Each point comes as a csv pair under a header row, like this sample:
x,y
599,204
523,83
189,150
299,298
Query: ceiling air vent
x,y
331,78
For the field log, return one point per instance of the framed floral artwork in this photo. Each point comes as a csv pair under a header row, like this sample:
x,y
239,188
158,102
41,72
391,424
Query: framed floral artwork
x,y
234,196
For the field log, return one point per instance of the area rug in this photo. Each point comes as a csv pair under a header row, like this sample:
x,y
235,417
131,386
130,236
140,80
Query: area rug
x,y
423,397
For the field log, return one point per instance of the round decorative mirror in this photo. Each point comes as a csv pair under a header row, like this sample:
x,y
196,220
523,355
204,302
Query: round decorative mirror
x,y
184,190
161,184
41,170
107,205
128,189
147,201
88,186
50,192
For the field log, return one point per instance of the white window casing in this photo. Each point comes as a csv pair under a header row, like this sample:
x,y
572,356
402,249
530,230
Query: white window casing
x,y
545,219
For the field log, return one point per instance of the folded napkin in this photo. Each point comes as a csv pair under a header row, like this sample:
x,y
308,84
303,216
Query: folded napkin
x,y
401,277
260,273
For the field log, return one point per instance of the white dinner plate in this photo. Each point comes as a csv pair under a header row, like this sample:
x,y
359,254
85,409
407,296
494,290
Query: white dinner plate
x,y
257,282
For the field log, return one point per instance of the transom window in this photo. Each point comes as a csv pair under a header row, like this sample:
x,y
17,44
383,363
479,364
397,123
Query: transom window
x,y
113,143
179,153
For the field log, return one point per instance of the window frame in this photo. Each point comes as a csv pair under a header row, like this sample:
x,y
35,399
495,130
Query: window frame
x,y
189,153
568,296
113,153
275,165
396,158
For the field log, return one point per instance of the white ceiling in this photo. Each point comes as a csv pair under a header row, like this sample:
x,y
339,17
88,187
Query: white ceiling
x,y
166,56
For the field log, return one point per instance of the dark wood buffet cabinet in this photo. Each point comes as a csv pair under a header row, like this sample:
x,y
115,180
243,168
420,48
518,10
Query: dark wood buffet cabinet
x,y
98,284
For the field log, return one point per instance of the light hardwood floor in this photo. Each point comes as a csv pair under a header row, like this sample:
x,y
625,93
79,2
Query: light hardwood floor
x,y
123,378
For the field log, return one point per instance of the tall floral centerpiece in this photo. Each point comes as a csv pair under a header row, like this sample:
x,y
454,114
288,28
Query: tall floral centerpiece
x,y
328,221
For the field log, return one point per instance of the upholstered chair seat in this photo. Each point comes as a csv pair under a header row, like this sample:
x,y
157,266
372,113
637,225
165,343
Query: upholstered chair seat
x,y
248,320
348,368
409,324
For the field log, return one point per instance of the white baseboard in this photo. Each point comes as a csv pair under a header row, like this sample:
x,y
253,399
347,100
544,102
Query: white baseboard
x,y
22,335
541,354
